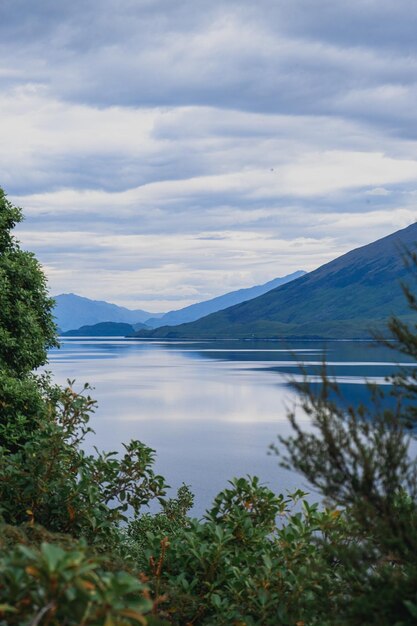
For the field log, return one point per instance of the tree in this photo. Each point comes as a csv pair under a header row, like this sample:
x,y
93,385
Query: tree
x,y
27,331
27,328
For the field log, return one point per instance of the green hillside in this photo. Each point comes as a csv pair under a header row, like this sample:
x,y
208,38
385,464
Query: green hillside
x,y
346,298
202,309
103,329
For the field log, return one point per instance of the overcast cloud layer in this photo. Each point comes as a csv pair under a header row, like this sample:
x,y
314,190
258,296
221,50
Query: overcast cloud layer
x,y
166,152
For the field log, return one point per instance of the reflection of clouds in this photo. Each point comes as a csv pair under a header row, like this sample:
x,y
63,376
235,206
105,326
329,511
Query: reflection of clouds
x,y
158,384
353,380
177,382
209,418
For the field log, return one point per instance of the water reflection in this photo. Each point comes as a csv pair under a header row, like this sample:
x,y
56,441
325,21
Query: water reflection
x,y
210,409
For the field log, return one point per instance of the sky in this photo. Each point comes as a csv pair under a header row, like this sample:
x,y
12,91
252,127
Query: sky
x,y
165,152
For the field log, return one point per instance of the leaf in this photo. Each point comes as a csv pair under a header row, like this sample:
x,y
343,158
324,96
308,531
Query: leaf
x,y
216,600
411,607
53,555
88,585
6,608
134,615
32,571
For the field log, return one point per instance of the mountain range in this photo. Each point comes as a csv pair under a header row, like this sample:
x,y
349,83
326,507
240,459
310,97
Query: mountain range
x,y
201,309
348,297
73,312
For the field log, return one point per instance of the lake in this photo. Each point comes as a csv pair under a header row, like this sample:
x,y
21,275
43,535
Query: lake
x,y
209,409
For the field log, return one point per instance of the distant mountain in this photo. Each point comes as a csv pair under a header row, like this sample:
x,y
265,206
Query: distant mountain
x,y
345,298
201,309
103,329
140,325
72,311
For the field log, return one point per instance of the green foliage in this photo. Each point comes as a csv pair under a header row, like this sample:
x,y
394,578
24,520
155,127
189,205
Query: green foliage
x,y
48,479
27,329
360,459
51,585
169,522
22,402
238,566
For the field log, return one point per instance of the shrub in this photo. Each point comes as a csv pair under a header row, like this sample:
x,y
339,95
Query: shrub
x,y
49,479
359,459
239,566
51,585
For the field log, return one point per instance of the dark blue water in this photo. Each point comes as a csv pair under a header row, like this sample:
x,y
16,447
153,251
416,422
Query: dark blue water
x,y
210,409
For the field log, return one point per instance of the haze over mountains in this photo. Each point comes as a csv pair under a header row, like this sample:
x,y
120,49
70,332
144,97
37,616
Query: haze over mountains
x,y
201,309
345,298
73,312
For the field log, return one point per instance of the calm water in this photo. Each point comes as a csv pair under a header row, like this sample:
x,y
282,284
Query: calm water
x,y
209,409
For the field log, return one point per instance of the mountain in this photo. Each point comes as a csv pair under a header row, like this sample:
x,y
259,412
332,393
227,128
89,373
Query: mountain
x,y
201,309
103,329
346,298
72,311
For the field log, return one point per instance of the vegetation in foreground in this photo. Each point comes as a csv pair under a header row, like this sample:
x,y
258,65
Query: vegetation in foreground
x,y
77,548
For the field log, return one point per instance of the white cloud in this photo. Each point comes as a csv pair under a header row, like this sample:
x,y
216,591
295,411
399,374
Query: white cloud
x,y
176,150
158,272
378,191
315,174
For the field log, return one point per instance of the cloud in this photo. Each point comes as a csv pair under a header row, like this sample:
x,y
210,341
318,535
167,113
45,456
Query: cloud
x,y
271,57
165,271
378,191
165,151
316,174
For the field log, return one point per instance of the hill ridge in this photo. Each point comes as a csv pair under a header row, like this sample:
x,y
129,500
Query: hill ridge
x,y
218,303
343,298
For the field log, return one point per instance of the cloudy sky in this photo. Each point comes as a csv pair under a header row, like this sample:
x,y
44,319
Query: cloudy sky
x,y
168,151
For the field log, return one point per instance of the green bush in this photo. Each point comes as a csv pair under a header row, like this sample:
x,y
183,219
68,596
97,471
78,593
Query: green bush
x,y
254,559
51,585
27,327
359,459
49,479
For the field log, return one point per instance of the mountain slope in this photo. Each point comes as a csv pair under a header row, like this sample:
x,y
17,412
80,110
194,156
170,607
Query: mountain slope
x,y
72,311
201,309
344,298
102,329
